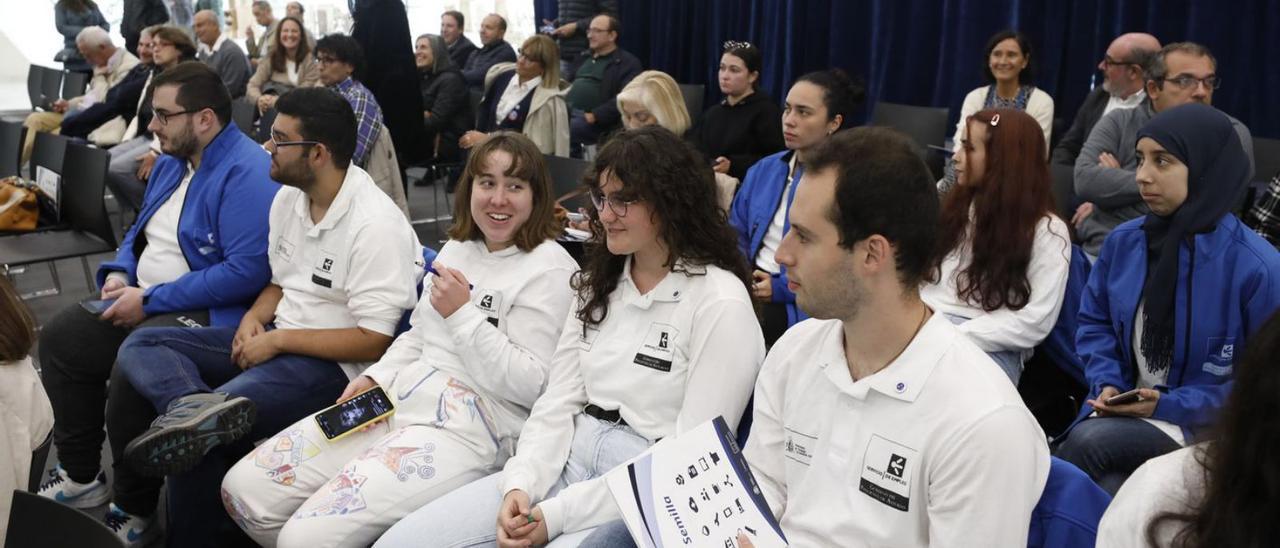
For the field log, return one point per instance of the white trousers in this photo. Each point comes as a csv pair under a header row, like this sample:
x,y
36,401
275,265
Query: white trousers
x,y
299,489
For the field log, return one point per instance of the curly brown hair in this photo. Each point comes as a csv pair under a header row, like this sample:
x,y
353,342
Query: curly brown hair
x,y
657,167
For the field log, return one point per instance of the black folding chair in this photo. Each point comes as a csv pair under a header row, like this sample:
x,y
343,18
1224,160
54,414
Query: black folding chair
x,y
242,115
38,521
74,84
566,179
39,458
50,88
694,94
87,228
35,76
927,126
12,133
47,152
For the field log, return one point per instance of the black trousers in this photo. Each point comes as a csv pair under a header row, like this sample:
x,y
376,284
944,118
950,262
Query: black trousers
x,y
77,358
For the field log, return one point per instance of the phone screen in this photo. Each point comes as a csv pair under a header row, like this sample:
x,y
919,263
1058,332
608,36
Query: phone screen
x,y
349,415
97,306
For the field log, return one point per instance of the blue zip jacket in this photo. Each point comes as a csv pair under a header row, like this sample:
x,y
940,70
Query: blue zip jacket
x,y
752,212
1069,509
1228,285
222,230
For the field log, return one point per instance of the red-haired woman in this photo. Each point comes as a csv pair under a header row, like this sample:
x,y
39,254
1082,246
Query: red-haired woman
x,y
1003,254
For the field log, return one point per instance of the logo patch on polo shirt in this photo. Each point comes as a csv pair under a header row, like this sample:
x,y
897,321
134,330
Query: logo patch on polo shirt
x,y
657,349
322,275
1222,351
490,302
798,446
886,472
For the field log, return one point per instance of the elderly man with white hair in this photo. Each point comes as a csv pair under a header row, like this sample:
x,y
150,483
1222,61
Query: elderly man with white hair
x,y
110,65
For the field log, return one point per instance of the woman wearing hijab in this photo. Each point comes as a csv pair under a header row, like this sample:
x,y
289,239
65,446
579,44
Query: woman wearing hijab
x,y
1174,298
446,110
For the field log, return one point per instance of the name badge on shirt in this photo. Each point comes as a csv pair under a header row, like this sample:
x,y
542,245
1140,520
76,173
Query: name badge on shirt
x,y
490,302
323,273
886,472
658,347
285,250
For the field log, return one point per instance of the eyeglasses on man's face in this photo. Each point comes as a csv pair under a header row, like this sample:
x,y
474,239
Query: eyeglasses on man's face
x,y
1188,82
163,117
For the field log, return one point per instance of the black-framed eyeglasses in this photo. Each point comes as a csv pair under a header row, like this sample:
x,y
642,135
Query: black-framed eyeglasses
x,y
276,136
618,205
164,117
325,59
734,44
1189,82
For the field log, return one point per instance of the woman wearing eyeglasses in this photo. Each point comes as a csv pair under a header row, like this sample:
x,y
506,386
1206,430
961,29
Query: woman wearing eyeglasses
x,y
528,97
662,338
1003,253
1008,71
1173,300
747,124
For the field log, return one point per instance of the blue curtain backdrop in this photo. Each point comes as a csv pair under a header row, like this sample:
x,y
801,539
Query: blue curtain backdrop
x,y
929,52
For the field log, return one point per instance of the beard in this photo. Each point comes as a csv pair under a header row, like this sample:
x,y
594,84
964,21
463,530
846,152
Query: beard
x,y
182,144
296,174
833,297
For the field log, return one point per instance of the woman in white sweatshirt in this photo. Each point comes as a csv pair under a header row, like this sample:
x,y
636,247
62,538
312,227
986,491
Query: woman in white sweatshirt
x,y
662,338
25,414
462,379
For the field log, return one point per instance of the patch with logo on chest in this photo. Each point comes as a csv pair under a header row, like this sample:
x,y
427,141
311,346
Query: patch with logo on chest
x,y
322,274
1221,356
658,347
490,303
798,446
887,468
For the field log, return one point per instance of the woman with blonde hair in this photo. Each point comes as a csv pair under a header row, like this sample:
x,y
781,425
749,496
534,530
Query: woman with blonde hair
x,y
527,97
653,98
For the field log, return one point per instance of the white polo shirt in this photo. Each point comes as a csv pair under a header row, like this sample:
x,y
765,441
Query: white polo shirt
x,y
500,345
355,268
668,360
162,260
936,449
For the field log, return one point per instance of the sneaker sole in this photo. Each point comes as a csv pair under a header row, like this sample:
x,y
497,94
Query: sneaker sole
x,y
180,447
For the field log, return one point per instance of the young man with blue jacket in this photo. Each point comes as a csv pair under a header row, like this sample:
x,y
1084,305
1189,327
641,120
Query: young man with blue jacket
x,y
196,256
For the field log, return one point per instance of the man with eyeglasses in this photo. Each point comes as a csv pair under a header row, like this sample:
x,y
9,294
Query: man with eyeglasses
x,y
598,74
195,256
1180,73
494,49
343,263
341,60
1123,77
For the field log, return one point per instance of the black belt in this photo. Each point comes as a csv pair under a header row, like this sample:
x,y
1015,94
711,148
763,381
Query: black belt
x,y
604,414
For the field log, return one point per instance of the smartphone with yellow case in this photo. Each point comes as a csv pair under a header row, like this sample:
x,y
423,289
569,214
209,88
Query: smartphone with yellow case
x,y
348,416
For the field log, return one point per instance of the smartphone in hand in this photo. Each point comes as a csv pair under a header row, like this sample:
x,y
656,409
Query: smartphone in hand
x,y
97,306
1131,396
344,418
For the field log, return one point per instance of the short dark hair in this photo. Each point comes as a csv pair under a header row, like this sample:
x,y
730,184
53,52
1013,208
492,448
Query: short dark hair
x,y
457,17
1156,69
323,116
840,94
882,187
615,25
1028,73
199,87
345,49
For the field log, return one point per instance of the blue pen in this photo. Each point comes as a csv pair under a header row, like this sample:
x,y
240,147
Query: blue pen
x,y
432,270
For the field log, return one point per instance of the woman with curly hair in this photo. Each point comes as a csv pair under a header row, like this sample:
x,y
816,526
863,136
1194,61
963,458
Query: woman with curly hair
x,y
661,339
1004,255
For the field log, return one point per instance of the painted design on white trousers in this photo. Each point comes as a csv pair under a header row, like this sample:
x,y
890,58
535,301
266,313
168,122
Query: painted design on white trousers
x,y
280,455
403,461
236,509
458,397
343,496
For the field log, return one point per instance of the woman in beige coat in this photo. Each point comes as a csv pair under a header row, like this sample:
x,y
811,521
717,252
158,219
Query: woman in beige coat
x,y
526,96
289,65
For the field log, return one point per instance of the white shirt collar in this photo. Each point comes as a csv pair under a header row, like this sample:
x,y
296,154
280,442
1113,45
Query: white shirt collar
x,y
905,376
338,208
217,45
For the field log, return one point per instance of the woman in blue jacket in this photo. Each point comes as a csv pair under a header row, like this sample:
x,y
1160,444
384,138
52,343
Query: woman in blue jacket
x,y
1172,300
819,104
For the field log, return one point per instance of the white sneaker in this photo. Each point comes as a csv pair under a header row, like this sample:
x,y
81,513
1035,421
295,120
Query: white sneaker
x,y
62,488
132,530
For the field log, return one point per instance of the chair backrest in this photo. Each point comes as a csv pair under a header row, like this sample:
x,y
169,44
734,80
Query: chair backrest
x,y
1069,509
38,521
242,115
74,84
12,133
1266,158
34,78
39,458
694,95
50,86
84,181
925,125
566,177
47,152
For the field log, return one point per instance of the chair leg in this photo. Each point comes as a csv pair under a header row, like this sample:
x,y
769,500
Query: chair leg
x,y
88,277
55,290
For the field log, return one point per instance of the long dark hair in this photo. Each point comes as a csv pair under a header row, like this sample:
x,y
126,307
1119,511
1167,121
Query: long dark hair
x,y
278,52
17,328
1242,466
657,167
1012,197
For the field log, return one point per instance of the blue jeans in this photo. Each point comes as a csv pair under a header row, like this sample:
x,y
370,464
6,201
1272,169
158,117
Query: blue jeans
x,y
1109,449
610,535
1010,361
580,132
468,516
163,364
